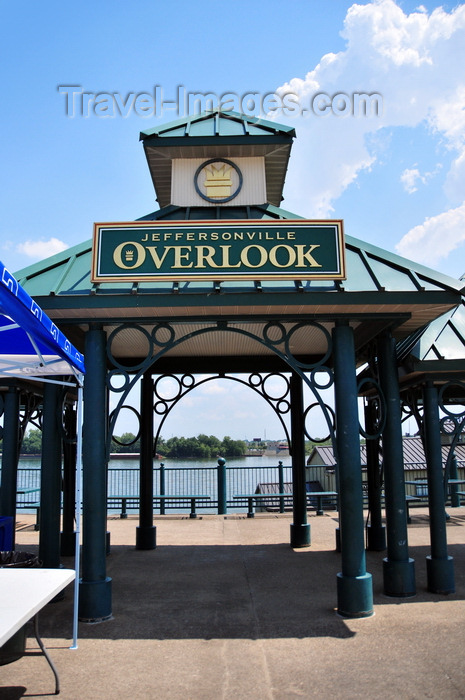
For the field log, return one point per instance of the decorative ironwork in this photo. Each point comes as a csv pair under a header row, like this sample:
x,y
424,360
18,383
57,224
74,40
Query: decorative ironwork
x,y
379,413
274,336
453,423
187,383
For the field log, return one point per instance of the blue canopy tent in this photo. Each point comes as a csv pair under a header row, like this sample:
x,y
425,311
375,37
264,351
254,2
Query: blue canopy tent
x,y
33,347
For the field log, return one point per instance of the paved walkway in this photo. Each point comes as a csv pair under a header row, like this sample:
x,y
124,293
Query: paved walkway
x,y
224,609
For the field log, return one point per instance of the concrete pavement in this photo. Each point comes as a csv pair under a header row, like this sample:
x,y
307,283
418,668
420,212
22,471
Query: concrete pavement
x,y
225,609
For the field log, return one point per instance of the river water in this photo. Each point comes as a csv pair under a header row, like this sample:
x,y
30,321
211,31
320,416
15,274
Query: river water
x,y
182,476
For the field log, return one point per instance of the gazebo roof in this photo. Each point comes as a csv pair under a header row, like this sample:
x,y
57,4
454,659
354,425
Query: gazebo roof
x,y
212,134
381,290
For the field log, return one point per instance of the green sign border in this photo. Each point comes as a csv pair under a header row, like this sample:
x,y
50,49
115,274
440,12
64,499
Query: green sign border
x,y
218,250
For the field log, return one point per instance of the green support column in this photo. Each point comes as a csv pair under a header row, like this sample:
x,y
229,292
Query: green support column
x,y
221,481
68,536
95,586
50,479
146,532
10,456
398,568
354,584
439,566
300,529
376,532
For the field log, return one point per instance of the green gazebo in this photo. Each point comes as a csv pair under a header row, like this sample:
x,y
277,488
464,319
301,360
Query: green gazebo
x,y
221,279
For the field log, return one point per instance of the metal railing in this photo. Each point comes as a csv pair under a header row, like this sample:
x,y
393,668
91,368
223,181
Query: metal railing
x,y
178,481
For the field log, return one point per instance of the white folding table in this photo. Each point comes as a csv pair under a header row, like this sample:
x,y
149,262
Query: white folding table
x,y
23,593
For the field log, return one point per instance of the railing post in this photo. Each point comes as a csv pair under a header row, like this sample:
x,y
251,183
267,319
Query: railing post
x,y
454,496
281,486
221,475
162,488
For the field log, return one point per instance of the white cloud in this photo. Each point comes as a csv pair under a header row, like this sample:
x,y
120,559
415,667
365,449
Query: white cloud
x,y
434,239
39,250
410,178
407,58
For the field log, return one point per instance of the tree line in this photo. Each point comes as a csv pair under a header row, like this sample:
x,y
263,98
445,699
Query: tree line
x,y
205,446
202,446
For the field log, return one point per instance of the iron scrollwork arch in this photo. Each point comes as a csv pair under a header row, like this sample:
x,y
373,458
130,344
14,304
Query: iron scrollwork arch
x,y
164,406
452,424
275,336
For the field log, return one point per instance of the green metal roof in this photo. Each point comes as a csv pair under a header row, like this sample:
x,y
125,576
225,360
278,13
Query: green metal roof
x,y
218,134
442,339
381,291
217,123
378,284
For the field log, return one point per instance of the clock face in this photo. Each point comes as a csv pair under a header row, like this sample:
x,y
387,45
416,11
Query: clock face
x,y
218,180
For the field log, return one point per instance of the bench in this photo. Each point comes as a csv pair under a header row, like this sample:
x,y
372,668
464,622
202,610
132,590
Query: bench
x,y
408,501
251,497
124,498
22,505
319,495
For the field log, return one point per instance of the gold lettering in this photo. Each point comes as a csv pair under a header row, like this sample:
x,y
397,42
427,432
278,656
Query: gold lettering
x,y
205,254
190,236
145,239
291,235
291,255
155,257
124,253
245,256
225,261
302,256
179,256
155,236
202,236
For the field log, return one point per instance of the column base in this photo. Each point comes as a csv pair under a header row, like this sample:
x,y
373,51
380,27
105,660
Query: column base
x,y
355,596
67,544
300,535
95,600
146,537
440,575
376,536
399,578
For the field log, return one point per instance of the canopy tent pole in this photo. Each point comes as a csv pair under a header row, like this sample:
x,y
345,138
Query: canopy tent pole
x,y
77,554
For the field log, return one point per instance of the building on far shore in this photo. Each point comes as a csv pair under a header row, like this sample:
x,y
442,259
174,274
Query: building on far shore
x,y
321,465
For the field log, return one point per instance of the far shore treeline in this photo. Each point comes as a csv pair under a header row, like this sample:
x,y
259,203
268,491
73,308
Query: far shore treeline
x,y
174,448
202,446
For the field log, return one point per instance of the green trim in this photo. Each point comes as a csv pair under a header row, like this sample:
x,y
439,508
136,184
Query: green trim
x,y
215,140
405,265
211,116
115,299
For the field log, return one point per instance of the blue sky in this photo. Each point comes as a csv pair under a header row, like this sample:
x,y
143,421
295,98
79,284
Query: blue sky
x,y
396,178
